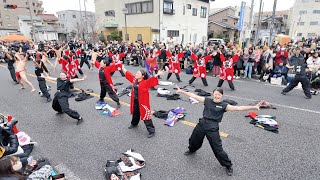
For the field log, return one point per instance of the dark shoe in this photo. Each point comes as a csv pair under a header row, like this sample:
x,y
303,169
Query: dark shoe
x,y
283,93
308,97
229,171
79,121
233,89
48,100
151,135
131,126
179,80
118,106
59,113
187,153
15,83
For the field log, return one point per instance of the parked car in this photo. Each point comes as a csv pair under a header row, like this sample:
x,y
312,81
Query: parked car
x,y
215,41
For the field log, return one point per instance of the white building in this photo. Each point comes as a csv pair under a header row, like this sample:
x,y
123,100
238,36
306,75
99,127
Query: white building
x,y
150,20
42,32
76,24
305,19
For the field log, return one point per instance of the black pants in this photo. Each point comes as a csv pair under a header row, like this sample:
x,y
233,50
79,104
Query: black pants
x,y
60,104
80,71
27,149
210,129
136,118
305,85
230,84
43,87
177,75
12,73
85,61
237,71
204,80
106,88
121,72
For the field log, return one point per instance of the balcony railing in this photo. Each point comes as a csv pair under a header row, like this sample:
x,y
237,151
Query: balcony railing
x,y
168,11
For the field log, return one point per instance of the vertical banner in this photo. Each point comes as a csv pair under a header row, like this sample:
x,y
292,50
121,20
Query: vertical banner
x,y
241,22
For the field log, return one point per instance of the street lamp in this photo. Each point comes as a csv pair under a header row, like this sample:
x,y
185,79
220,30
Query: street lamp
x,y
125,12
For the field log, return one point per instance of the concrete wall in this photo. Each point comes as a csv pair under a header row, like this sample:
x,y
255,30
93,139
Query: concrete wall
x,y
309,6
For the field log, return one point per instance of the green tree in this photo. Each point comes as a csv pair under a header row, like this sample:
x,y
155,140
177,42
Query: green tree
x,y
114,36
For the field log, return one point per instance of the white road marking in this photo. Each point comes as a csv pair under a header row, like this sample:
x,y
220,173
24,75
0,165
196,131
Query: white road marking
x,y
280,105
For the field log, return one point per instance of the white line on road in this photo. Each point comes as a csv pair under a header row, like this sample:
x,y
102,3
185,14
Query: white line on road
x,y
280,105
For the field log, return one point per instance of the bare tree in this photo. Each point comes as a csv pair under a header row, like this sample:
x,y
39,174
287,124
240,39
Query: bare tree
x,y
93,27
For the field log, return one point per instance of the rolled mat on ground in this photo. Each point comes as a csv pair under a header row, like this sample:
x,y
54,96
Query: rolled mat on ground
x,y
126,167
266,122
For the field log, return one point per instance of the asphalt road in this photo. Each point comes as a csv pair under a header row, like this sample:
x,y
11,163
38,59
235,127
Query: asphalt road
x,y
82,151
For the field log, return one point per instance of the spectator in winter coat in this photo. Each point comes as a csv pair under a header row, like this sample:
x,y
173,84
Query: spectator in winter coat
x,y
282,55
280,71
314,62
249,64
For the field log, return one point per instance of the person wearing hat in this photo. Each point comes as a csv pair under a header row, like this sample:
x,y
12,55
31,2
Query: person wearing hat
x,y
214,109
297,63
106,84
314,61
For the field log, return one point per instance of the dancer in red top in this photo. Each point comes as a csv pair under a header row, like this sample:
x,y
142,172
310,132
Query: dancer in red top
x,y
106,84
227,71
174,64
116,57
200,69
140,99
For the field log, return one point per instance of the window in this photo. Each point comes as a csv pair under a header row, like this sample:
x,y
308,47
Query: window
x,y
188,6
316,11
300,23
64,16
140,7
203,12
34,11
1,24
184,10
139,38
311,34
172,33
62,25
9,25
285,17
74,16
314,23
168,8
27,3
302,12
299,34
5,1
33,4
194,11
224,20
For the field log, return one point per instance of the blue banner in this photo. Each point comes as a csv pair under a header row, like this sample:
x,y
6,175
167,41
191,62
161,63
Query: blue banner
x,y
241,18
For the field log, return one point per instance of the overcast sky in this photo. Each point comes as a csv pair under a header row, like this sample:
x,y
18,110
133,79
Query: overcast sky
x,y
52,6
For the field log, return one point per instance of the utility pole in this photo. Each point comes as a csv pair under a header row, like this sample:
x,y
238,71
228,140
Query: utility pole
x,y
258,28
272,21
85,13
250,23
81,26
32,23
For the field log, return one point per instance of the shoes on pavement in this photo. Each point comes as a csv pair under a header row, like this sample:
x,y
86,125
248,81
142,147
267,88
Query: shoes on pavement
x,y
307,97
59,112
48,100
283,93
229,171
187,153
151,135
79,121
131,126
118,106
179,80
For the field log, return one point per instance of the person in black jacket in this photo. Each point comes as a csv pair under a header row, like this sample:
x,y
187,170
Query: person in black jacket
x,y
60,101
208,126
216,64
8,140
84,59
9,57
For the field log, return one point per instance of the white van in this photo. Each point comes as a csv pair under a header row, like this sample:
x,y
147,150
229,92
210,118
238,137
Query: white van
x,y
216,41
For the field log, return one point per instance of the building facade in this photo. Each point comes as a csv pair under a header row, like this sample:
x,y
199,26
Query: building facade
x,y
75,24
305,19
154,20
43,31
8,17
223,24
